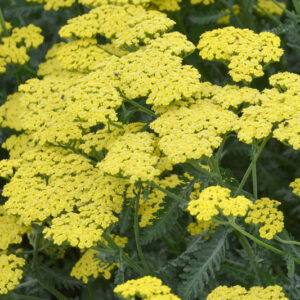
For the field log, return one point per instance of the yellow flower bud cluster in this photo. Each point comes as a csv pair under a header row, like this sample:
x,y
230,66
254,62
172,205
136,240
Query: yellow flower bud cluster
x,y
288,130
268,6
167,5
159,76
132,155
146,288
54,4
89,265
11,229
10,272
225,20
240,293
8,27
216,199
82,55
243,51
14,48
191,132
127,26
264,211
95,3
296,186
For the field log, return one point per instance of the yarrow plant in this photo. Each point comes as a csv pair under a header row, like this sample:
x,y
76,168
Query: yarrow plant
x,y
140,162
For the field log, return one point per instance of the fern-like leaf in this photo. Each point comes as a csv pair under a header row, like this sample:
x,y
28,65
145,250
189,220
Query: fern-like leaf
x,y
166,217
202,267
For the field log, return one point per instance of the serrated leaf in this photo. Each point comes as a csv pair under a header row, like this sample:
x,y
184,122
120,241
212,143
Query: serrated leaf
x,y
199,271
166,218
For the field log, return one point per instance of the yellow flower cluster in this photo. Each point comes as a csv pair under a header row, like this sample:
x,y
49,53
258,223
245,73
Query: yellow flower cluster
x,y
268,6
296,186
10,272
148,207
264,211
216,199
132,155
147,288
8,26
11,229
55,182
243,51
239,293
54,4
226,19
191,132
288,130
89,265
168,5
127,26
14,48
95,3
205,2
157,75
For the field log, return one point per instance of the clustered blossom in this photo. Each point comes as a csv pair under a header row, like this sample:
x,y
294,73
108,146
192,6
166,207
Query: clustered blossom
x,y
265,212
89,265
295,185
147,288
191,132
243,51
14,48
268,6
11,229
10,272
240,293
214,199
135,25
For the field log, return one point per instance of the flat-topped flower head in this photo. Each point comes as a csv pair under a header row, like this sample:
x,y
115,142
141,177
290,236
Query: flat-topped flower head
x,y
216,199
264,7
127,26
265,212
10,272
244,52
95,3
14,48
191,132
295,185
240,293
54,4
147,287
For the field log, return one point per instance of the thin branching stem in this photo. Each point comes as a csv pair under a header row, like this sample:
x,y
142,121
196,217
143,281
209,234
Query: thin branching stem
x,y
249,170
137,233
2,24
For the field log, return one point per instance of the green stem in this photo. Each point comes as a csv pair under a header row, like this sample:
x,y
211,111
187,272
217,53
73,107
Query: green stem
x,y
254,173
26,284
37,240
2,24
277,238
91,292
245,243
215,168
297,6
136,232
168,193
255,158
124,256
196,166
141,107
267,14
258,241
